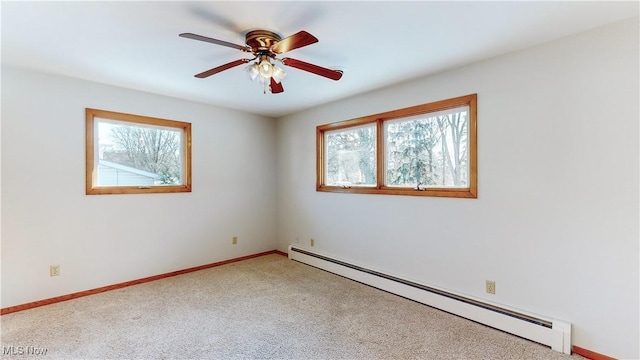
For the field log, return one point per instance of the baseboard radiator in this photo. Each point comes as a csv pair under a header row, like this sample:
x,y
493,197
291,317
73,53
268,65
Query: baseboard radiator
x,y
550,332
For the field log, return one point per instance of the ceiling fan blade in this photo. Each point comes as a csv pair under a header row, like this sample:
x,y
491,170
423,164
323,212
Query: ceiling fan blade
x,y
294,41
276,87
215,41
226,66
315,69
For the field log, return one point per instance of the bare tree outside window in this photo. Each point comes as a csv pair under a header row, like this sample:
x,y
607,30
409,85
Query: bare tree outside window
x,y
151,149
428,151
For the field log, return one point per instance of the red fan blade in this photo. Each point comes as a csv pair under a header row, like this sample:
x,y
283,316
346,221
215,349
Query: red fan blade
x,y
276,88
215,41
294,41
216,70
315,69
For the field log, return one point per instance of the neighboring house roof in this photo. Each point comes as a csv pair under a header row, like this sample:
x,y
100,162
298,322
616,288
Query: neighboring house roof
x,y
129,169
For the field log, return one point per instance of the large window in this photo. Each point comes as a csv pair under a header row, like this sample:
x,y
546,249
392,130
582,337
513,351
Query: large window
x,y
131,154
425,150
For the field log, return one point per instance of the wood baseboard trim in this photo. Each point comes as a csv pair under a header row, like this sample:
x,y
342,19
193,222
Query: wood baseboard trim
x,y
31,305
590,354
280,253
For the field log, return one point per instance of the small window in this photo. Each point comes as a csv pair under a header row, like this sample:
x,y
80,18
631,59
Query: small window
x,y
425,150
351,156
131,154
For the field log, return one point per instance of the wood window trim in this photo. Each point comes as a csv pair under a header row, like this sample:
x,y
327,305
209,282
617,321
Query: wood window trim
x,y
470,192
90,166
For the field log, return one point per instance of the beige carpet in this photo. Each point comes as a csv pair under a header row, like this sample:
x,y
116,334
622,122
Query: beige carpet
x,y
264,308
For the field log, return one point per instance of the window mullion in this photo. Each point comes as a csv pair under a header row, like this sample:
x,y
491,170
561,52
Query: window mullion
x,y
380,159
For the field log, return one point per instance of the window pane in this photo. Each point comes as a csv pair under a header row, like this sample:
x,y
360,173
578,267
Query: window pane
x,y
429,150
351,156
138,155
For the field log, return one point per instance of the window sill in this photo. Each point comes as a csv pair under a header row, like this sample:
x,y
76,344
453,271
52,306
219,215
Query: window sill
x,y
137,190
466,193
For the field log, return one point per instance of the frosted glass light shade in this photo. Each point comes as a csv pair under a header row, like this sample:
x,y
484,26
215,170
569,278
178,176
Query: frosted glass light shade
x,y
278,74
266,69
252,71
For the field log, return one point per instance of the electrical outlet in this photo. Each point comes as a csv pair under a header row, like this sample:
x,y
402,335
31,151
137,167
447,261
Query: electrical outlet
x,y
297,239
491,287
54,270
234,240
313,242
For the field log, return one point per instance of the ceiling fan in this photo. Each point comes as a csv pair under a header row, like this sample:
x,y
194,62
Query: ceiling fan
x,y
265,45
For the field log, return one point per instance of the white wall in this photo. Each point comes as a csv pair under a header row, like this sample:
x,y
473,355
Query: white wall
x,y
106,239
556,220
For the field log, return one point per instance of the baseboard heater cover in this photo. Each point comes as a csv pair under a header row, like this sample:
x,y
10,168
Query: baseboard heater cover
x,y
550,332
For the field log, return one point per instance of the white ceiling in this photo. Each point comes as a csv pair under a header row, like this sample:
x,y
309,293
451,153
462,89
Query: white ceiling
x,y
136,44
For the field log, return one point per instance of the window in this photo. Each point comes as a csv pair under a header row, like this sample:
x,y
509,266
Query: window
x,y
131,154
425,150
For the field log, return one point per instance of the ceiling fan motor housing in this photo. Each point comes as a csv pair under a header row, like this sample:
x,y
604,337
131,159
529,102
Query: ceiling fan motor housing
x,y
262,40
